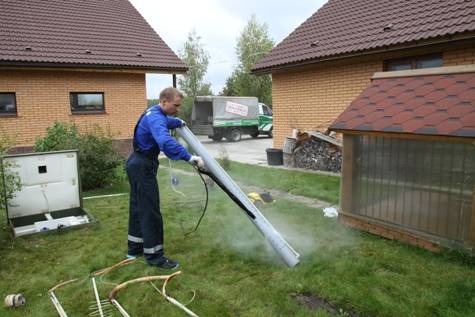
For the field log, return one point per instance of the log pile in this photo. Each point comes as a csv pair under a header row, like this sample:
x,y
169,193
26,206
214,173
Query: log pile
x,y
316,151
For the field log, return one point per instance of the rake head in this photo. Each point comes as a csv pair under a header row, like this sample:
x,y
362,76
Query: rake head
x,y
103,309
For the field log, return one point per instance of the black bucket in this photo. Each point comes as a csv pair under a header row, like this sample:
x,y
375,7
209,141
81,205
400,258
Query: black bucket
x,y
275,157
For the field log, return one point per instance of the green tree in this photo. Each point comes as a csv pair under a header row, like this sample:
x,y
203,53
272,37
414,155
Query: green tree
x,y
230,87
197,60
253,43
9,179
152,102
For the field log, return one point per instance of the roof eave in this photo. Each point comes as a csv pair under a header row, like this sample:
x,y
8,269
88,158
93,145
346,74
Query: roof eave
x,y
76,66
399,134
417,44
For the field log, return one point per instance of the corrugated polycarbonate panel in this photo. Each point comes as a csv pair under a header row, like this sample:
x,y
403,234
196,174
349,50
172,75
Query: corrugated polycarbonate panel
x,y
423,185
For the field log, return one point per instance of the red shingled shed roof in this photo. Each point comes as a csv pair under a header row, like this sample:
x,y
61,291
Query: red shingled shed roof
x,y
85,33
442,104
345,27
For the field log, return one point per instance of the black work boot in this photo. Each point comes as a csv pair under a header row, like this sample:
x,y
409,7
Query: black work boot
x,y
163,262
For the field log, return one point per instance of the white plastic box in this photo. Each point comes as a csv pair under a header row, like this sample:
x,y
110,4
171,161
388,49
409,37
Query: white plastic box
x,y
50,195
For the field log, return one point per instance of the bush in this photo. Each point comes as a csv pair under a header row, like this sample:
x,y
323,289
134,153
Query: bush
x,y
60,136
224,160
9,181
98,160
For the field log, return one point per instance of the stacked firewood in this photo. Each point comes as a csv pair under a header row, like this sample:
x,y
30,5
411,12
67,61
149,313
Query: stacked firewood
x,y
317,151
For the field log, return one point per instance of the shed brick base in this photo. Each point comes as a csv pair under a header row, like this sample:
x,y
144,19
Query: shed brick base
x,y
389,232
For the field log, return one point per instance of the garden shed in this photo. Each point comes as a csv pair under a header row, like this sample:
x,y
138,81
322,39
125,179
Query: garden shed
x,y
409,157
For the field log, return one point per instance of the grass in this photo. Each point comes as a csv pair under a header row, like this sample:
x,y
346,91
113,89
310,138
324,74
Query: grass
x,y
230,267
323,187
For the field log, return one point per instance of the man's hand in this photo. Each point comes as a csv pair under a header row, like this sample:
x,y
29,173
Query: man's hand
x,y
197,161
183,123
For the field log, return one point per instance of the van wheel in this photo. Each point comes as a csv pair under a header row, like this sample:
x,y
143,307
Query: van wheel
x,y
234,135
255,134
217,137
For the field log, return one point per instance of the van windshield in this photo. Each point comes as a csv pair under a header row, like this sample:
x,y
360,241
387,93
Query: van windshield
x,y
267,111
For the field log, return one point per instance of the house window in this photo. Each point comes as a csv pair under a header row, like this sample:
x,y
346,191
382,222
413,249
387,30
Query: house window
x,y
416,62
87,102
7,103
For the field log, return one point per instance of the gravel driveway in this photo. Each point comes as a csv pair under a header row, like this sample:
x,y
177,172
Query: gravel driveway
x,y
248,150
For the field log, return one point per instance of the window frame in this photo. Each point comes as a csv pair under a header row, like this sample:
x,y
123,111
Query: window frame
x,y
10,113
413,61
73,102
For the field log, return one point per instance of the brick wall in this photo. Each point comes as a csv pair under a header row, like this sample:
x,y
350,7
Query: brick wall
x,y
312,98
461,56
43,97
122,146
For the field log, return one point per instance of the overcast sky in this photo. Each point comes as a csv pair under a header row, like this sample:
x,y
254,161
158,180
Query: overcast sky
x,y
219,23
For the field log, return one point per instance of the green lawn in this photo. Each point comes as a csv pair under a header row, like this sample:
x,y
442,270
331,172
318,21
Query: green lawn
x,y
230,267
323,187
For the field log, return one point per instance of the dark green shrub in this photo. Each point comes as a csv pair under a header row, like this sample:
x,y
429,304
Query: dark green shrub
x,y
224,160
60,136
98,160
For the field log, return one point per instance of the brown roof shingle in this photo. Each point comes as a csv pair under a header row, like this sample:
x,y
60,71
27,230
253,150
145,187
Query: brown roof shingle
x,y
430,104
349,26
106,33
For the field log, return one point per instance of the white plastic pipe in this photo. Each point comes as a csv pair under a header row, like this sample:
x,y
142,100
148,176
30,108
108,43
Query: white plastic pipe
x,y
96,295
57,305
288,254
119,307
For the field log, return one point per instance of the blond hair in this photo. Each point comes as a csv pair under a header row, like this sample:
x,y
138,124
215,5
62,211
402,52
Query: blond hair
x,y
168,94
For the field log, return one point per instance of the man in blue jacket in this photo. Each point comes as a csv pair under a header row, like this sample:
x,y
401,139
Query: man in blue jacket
x,y
152,135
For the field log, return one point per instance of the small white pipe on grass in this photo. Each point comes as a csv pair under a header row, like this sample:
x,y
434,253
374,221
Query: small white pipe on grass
x,y
104,196
57,305
98,300
174,301
121,309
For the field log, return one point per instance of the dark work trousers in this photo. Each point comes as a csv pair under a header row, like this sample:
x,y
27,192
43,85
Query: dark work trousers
x,y
145,219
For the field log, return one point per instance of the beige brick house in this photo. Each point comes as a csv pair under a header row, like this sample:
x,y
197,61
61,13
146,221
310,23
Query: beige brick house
x,y
76,61
329,60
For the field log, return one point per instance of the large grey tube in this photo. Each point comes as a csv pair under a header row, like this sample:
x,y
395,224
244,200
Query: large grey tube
x,y
288,254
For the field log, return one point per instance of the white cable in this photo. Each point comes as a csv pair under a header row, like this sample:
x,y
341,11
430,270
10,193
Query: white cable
x,y
46,199
104,196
